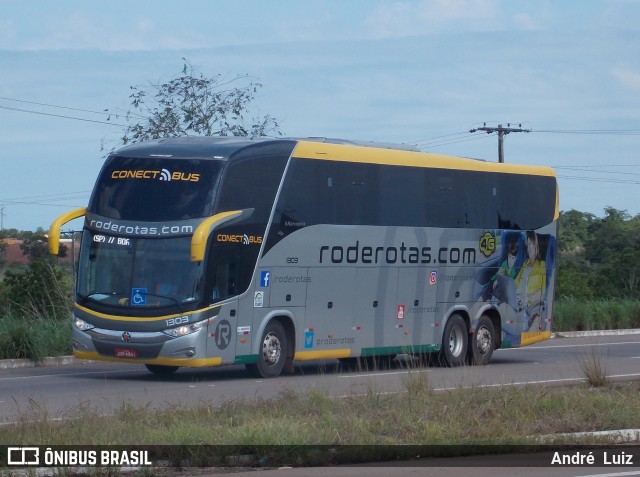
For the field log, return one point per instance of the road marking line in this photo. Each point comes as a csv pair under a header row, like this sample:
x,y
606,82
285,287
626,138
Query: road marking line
x,y
9,378
568,346
616,474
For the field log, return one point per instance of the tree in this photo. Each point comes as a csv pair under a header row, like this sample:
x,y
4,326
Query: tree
x,y
43,290
194,105
3,249
34,245
599,257
612,247
574,231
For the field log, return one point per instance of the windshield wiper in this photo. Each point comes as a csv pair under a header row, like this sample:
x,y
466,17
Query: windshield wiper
x,y
100,295
126,299
168,298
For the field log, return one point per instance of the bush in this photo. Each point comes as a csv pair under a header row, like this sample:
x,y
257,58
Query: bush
x,y
43,290
571,314
22,338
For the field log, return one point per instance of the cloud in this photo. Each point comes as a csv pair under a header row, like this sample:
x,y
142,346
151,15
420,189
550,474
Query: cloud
x,y
81,30
627,78
7,32
405,18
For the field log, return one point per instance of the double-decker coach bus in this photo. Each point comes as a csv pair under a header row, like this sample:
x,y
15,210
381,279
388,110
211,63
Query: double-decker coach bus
x,y
209,251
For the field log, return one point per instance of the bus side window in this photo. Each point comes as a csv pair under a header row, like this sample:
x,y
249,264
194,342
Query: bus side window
x,y
223,272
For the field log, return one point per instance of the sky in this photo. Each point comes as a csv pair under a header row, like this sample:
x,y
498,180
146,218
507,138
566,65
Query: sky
x,y
419,72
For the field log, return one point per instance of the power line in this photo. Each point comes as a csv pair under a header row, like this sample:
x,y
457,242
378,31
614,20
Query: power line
x,y
50,200
597,165
584,169
101,113
614,132
463,133
502,132
446,143
104,112
61,194
63,116
601,179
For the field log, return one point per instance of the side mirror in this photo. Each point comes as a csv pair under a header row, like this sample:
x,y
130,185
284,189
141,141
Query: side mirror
x,y
202,232
54,230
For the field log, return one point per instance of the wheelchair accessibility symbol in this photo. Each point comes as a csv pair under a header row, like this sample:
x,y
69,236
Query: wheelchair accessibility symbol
x,y
139,296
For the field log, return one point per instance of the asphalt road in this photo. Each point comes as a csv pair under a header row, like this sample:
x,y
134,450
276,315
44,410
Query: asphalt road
x,y
61,390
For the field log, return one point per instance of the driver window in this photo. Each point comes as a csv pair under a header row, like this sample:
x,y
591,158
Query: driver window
x,y
223,272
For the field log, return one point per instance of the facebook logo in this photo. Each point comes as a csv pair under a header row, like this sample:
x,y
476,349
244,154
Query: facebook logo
x,y
264,279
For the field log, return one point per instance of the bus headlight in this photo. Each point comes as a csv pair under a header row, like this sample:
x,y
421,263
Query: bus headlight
x,y
81,324
186,329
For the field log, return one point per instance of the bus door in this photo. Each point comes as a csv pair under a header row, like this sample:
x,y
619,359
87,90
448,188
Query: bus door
x,y
287,286
223,282
224,333
415,308
328,327
375,309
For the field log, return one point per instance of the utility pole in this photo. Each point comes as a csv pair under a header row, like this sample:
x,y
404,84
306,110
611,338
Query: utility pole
x,y
1,217
502,132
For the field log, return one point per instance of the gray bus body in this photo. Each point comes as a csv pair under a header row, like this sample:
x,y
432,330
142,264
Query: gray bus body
x,y
210,251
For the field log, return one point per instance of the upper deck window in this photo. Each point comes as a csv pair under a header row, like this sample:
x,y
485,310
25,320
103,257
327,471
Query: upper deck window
x,y
155,189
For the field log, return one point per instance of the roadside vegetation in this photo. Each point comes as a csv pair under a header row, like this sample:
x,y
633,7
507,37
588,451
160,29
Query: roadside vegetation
x,y
313,428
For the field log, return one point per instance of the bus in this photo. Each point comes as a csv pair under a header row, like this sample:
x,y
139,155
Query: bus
x,y
203,251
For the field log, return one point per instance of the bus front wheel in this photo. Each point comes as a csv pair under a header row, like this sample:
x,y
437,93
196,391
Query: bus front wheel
x,y
454,342
482,342
273,352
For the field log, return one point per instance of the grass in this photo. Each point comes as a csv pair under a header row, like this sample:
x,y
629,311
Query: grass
x,y
307,428
293,423
594,367
33,338
570,314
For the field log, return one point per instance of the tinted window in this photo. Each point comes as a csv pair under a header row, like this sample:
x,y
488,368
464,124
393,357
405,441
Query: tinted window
x,y
251,180
154,189
344,193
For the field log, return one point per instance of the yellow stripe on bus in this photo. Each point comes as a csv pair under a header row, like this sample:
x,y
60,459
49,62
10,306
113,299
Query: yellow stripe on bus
x,y
323,354
395,157
530,337
137,318
191,363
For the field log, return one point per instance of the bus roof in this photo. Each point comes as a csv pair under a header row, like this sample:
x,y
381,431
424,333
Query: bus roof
x,y
220,148
201,147
375,155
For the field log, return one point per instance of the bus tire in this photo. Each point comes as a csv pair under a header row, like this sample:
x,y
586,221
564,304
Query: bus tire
x,y
161,370
455,339
481,343
273,351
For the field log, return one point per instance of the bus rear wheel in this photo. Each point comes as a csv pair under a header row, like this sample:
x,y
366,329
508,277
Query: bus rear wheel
x,y
454,342
273,352
481,343
161,370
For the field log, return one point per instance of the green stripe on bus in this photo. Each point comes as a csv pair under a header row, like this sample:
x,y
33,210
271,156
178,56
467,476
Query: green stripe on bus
x,y
385,350
246,359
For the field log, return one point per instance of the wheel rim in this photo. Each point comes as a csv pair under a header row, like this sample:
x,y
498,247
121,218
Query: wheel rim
x,y
456,343
483,340
271,349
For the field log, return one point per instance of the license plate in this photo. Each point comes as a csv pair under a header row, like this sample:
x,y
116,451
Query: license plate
x,y
126,353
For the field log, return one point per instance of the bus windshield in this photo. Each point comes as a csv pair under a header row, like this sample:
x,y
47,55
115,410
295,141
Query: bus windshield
x,y
154,189
134,272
